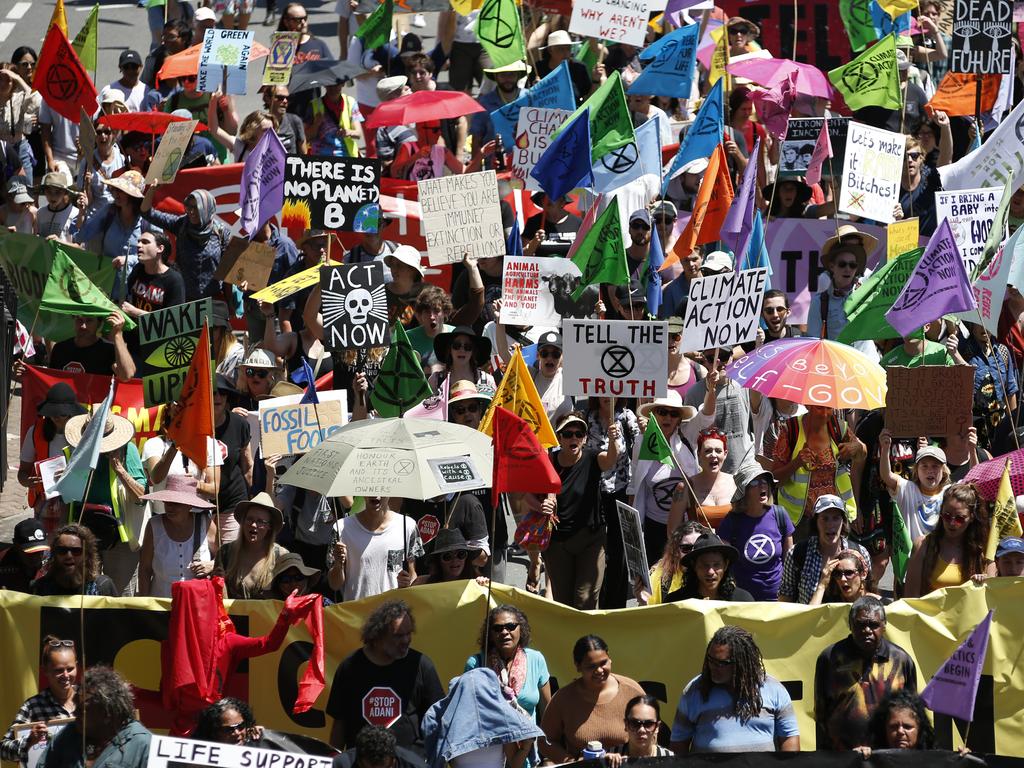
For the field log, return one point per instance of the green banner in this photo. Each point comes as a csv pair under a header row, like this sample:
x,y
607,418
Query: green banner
x,y
866,306
167,343
499,32
602,255
376,30
401,384
872,79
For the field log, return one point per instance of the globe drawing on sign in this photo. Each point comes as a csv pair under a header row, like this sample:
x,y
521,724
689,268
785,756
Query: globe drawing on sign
x,y
171,168
227,54
367,218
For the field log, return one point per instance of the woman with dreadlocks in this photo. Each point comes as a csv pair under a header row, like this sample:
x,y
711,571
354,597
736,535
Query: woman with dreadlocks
x,y
733,705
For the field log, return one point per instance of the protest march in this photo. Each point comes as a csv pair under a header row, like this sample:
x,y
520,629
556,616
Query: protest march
x,y
379,372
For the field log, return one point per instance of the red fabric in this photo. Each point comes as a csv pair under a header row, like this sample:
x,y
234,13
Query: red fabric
x,y
1011,336
310,608
520,463
62,80
192,425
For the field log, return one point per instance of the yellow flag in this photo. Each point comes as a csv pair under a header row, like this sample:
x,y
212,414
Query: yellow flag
x,y
518,394
896,7
465,7
720,56
59,18
1003,521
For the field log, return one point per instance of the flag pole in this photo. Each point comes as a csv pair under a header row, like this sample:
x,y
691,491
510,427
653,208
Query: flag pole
x,y
832,179
1002,378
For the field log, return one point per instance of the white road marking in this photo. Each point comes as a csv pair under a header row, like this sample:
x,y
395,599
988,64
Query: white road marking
x,y
115,6
6,28
19,10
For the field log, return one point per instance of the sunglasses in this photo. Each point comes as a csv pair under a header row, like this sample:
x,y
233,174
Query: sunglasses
x,y
61,550
190,78
720,662
636,724
642,227
913,155
686,547
259,373
569,434
233,728
552,353
296,18
846,264
280,98
458,346
775,310
258,523
510,626
844,573
460,554
104,132
61,643
664,413
462,410
955,519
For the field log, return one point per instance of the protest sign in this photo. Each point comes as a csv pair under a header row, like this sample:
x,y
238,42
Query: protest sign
x,y
35,751
929,400
990,285
999,159
86,137
538,291
355,306
278,67
224,60
458,473
246,262
285,287
798,146
461,215
533,133
171,752
554,91
723,310
614,358
982,37
633,545
901,236
340,193
289,427
872,172
167,342
622,21
970,213
170,153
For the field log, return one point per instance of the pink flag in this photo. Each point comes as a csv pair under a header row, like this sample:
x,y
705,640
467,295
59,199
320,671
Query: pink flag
x,y
822,150
434,407
774,105
954,687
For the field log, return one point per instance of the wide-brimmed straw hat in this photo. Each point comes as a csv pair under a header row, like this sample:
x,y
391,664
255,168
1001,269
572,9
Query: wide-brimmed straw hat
x,y
848,238
262,501
293,560
466,390
131,183
180,489
117,432
672,399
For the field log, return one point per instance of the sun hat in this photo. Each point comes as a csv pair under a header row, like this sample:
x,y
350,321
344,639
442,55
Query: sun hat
x,y
568,419
803,192
709,542
179,489
387,86
292,560
448,540
260,358
117,432
132,183
57,180
220,315
17,190
716,263
261,500
848,238
61,400
695,166
463,390
518,67
285,388
205,14
30,537
672,399
112,96
931,452
558,37
737,21
481,344
407,255
747,474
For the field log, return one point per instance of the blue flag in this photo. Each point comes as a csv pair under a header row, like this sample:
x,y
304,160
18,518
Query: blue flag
x,y
310,395
554,91
621,166
86,455
671,72
565,164
757,250
514,244
655,258
704,135
884,23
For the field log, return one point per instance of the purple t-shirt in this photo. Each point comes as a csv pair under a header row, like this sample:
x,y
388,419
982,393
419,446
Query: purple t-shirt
x,y
759,542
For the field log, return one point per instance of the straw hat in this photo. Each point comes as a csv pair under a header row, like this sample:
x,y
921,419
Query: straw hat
x,y
466,390
262,501
408,256
848,238
737,21
293,560
558,37
284,388
180,489
117,432
520,68
131,183
671,400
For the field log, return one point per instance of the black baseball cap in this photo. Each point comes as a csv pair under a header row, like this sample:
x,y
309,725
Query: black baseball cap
x,y
29,537
549,339
129,57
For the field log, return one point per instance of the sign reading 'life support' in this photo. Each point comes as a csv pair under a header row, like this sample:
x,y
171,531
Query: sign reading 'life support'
x,y
723,310
614,358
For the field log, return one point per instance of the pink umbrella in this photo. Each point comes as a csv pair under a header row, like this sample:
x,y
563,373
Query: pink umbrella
x,y
988,474
810,80
422,106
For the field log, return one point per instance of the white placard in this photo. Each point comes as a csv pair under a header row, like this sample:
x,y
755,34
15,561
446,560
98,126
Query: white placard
x,y
169,752
621,21
457,473
991,165
872,172
723,310
614,358
224,60
461,215
49,471
533,133
538,291
970,213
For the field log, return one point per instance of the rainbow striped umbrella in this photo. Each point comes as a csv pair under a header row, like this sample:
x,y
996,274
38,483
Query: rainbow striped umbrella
x,y
812,372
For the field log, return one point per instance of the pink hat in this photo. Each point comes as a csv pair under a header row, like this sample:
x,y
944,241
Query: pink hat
x,y
180,489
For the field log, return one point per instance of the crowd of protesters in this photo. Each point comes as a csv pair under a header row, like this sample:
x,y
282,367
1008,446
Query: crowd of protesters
x,y
763,500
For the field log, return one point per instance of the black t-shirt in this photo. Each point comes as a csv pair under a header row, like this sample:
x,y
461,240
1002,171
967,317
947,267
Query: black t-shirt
x,y
492,291
578,73
579,501
558,238
466,515
46,585
232,437
153,292
96,358
413,680
920,202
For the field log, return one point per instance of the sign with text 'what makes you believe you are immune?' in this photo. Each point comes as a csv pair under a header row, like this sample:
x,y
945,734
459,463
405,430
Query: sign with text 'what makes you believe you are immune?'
x,y
461,216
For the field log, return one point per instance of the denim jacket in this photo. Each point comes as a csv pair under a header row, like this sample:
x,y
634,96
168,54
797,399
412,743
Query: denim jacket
x,y
474,715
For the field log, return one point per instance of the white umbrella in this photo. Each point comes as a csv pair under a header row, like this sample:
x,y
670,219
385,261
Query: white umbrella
x,y
401,458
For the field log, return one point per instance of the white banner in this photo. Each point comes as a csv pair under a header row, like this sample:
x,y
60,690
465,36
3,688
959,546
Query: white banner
x,y
461,215
970,213
621,21
872,171
169,752
992,164
614,358
723,310
538,291
533,133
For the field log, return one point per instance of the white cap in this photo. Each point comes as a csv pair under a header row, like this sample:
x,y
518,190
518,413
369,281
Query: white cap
x,y
205,14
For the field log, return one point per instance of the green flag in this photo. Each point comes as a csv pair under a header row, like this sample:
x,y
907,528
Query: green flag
x,y
400,384
499,32
601,256
871,79
655,447
611,126
376,30
85,42
866,306
901,545
860,27
587,56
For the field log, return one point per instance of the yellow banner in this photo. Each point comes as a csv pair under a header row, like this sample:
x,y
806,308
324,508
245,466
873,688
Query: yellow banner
x,y
661,647
284,288
900,237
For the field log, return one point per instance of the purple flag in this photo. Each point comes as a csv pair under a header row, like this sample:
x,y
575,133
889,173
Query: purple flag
x,y
739,219
822,150
775,104
954,687
938,286
261,194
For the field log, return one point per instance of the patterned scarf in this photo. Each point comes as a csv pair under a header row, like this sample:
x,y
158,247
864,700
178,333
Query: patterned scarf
x,y
511,675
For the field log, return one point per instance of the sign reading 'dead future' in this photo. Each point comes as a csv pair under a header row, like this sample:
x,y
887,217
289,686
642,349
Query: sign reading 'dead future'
x,y
289,427
614,358
355,306
167,344
929,400
340,193
723,310
461,215
982,37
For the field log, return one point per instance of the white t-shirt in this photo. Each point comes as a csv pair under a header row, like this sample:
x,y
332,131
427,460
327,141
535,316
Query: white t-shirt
x,y
920,512
135,97
374,559
155,447
63,133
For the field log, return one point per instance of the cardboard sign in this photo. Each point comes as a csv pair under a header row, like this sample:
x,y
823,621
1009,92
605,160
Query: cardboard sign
x,y
289,427
458,473
285,287
982,37
246,262
798,146
872,172
461,215
341,193
171,752
224,60
281,59
167,343
533,133
354,306
633,545
901,236
970,213
538,291
929,400
622,21
614,358
171,152
723,310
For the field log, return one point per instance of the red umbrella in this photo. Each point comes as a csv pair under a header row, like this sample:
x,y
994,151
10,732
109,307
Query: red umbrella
x,y
146,122
186,63
422,106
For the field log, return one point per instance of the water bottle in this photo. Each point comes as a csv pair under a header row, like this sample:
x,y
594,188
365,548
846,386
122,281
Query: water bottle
x,y
500,162
593,751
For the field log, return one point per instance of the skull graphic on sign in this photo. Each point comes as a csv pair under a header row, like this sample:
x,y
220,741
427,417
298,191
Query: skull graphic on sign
x,y
358,304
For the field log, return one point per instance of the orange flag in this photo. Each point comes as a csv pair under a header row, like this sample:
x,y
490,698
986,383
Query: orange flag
x,y
956,93
709,208
191,429
62,80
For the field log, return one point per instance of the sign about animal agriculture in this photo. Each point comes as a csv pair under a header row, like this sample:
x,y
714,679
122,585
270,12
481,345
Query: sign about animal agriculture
x,y
289,427
723,310
355,306
167,342
614,358
461,216
224,60
872,171
341,193
538,291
